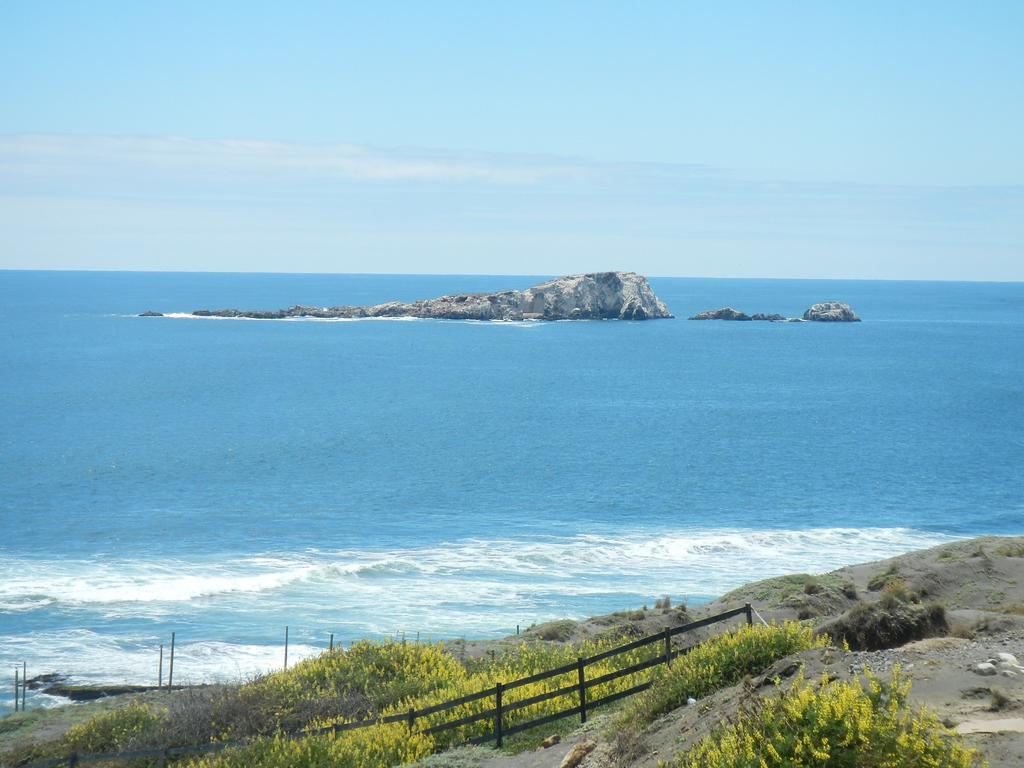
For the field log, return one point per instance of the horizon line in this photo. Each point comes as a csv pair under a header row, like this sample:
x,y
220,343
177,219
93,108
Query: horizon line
x,y
510,274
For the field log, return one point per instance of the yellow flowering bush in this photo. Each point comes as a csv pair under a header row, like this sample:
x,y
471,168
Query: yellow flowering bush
x,y
722,661
833,725
381,745
113,730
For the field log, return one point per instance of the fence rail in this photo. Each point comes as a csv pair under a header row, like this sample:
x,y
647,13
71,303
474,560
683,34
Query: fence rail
x,y
497,713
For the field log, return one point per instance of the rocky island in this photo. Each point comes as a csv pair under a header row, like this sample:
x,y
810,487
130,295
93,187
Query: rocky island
x,y
593,296
825,312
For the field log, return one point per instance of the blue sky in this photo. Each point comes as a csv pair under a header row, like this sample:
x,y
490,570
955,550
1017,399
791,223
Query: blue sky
x,y
875,140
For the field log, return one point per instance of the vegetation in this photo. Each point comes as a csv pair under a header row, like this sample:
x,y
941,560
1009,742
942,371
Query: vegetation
x,y
888,623
112,731
717,663
836,725
881,580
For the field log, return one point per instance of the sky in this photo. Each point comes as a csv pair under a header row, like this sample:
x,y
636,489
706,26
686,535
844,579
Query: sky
x,y
737,139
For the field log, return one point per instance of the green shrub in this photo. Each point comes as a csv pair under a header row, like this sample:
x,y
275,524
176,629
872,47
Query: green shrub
x,y
839,725
114,730
722,661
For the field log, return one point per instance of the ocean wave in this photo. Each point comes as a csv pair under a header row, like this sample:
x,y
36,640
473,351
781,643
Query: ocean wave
x,y
469,588
86,656
701,562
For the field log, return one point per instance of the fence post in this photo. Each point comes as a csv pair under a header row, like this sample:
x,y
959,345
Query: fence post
x,y
668,646
497,713
286,647
170,668
332,642
750,614
15,689
581,677
24,684
412,718
72,760
163,759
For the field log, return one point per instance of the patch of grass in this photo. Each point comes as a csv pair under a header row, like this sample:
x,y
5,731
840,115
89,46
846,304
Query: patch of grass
x,y
1016,609
555,631
811,586
849,590
961,630
463,757
879,581
663,603
1011,549
997,701
834,724
888,623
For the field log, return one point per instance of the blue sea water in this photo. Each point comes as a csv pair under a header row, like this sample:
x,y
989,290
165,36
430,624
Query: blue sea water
x,y
225,478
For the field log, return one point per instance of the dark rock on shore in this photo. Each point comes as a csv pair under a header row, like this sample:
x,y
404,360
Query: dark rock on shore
x,y
595,296
831,312
725,313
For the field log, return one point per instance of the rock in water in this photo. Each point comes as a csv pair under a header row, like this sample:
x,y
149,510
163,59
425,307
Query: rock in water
x,y
594,296
725,313
831,312
151,313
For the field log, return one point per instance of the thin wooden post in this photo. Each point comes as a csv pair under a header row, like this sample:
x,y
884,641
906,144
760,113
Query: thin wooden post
x,y
162,762
170,668
750,614
332,642
24,684
497,713
15,689
286,647
72,760
668,646
411,720
160,674
581,678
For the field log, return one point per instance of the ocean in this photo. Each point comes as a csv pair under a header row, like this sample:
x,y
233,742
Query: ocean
x,y
224,479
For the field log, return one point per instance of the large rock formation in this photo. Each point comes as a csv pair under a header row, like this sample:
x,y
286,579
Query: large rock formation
x,y
596,296
831,312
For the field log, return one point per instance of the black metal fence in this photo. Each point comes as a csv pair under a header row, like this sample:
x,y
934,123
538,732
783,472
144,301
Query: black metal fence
x,y
577,689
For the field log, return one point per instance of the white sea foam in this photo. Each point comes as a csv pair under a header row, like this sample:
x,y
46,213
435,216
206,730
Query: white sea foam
x,y
468,588
707,562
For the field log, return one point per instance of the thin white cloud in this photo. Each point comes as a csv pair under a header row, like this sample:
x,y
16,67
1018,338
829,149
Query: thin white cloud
x,y
55,153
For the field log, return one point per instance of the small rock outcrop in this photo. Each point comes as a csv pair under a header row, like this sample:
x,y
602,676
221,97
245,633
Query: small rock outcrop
x,y
151,313
831,312
725,313
594,296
